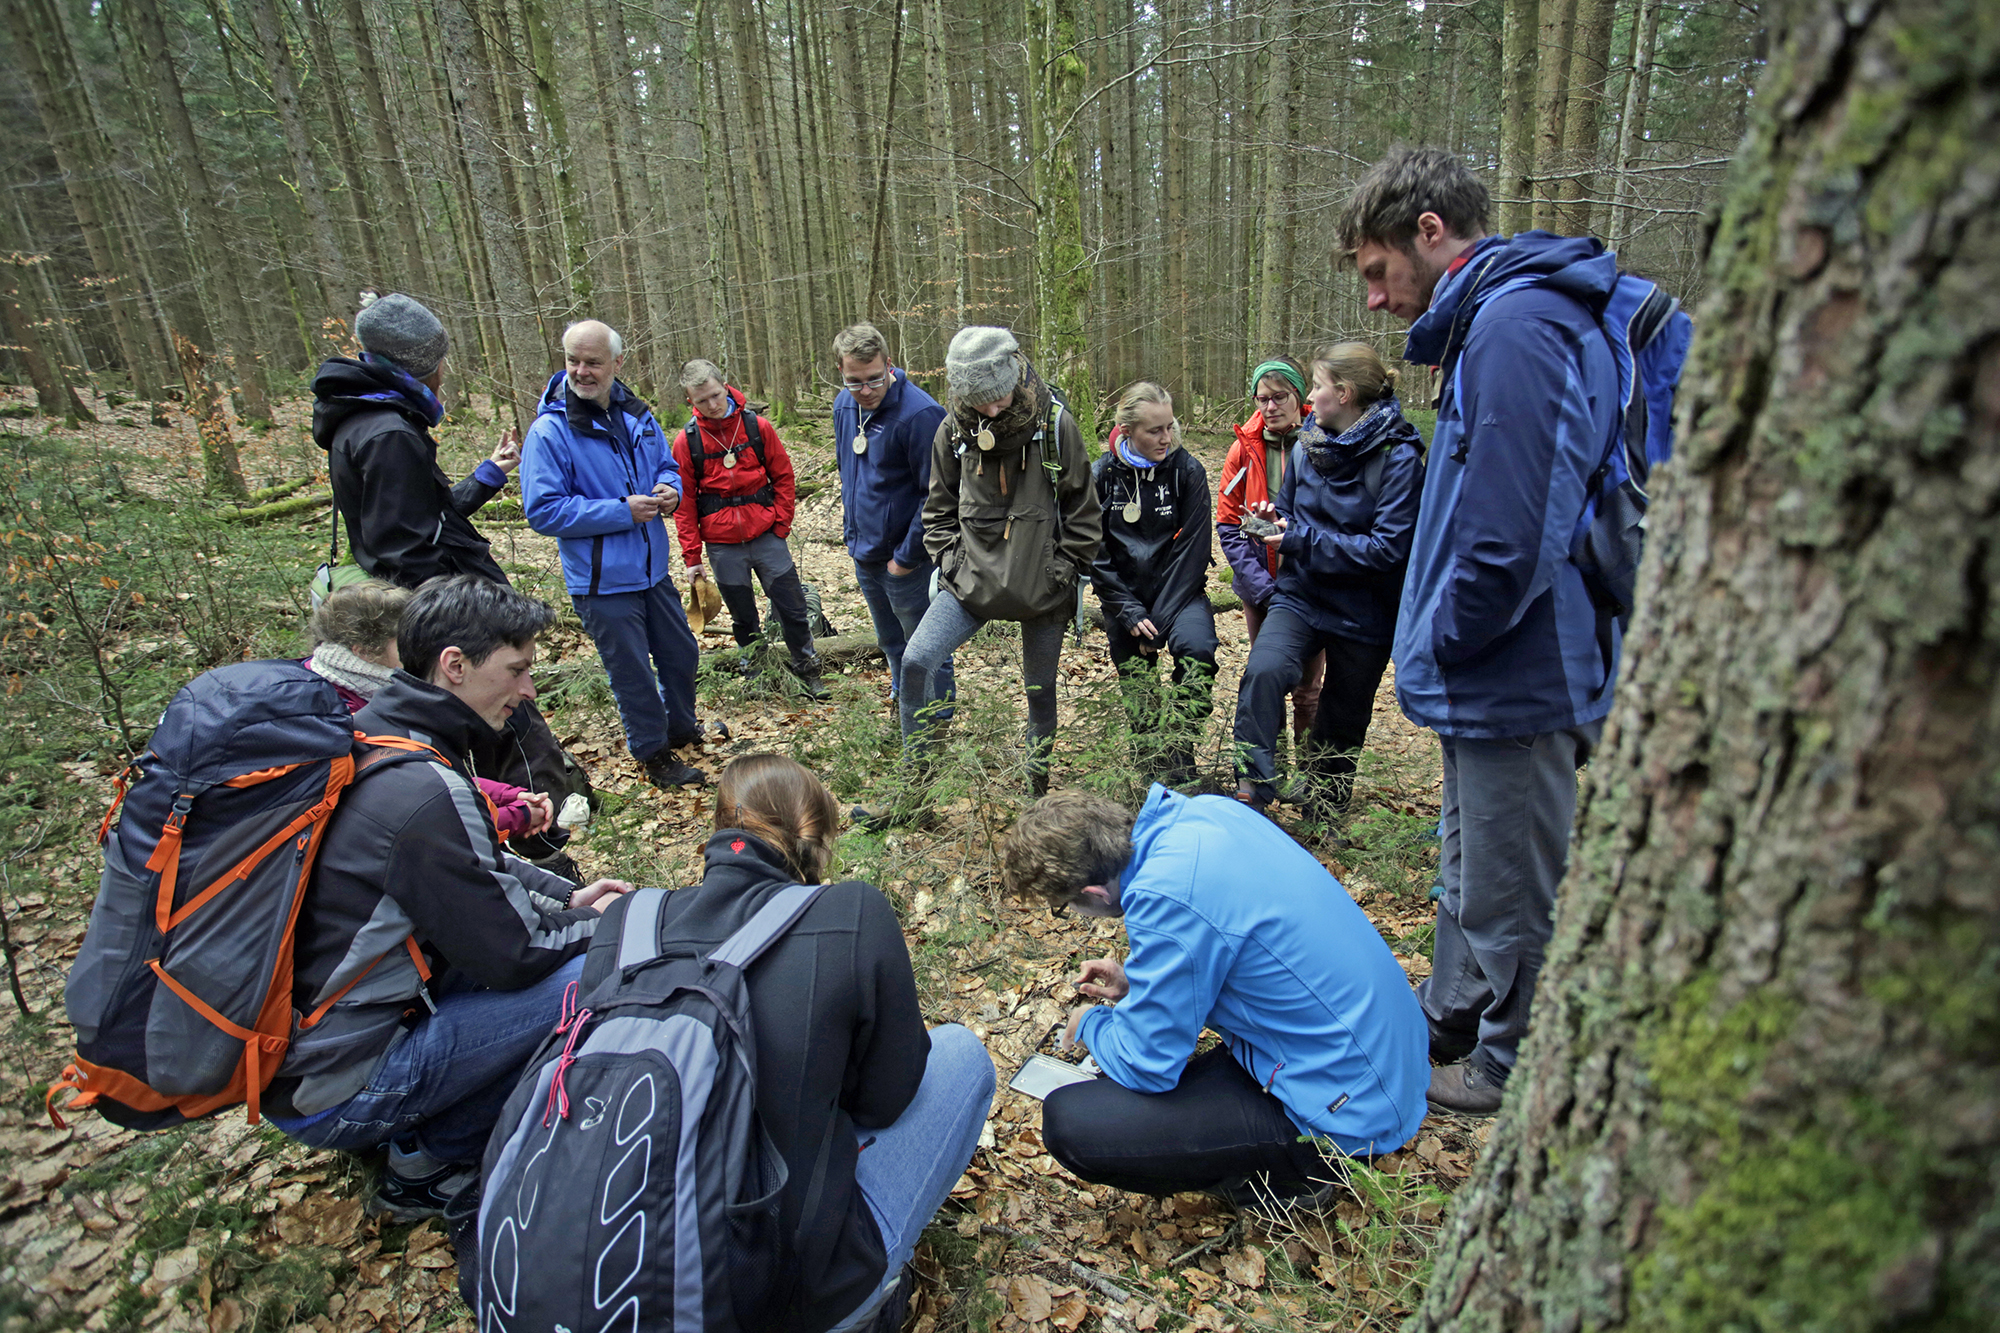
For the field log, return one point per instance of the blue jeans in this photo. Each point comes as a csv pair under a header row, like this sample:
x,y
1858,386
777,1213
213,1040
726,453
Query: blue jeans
x,y
907,1170
449,1078
896,603
650,654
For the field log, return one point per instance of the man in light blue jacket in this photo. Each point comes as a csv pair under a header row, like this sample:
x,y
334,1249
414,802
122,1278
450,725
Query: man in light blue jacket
x,y
1236,928
598,474
1499,647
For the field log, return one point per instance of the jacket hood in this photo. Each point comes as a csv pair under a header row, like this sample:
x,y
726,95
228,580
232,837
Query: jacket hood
x,y
345,387
1577,266
416,708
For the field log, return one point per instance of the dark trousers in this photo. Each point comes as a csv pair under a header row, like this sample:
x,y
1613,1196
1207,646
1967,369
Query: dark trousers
x,y
650,655
768,558
1285,643
1508,807
1214,1131
1165,730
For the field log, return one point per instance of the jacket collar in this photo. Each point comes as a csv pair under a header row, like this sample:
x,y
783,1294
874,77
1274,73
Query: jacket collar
x,y
584,416
1577,266
733,859
407,706
345,385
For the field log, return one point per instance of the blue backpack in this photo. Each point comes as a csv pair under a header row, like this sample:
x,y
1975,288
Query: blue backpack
x,y
1649,335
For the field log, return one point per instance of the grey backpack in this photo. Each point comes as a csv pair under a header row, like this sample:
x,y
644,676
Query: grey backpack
x,y
629,1184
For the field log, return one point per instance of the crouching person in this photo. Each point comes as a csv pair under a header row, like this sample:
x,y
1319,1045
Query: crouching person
x,y
430,963
875,1118
1233,927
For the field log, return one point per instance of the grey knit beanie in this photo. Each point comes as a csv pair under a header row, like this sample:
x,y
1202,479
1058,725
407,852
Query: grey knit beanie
x,y
980,364
399,329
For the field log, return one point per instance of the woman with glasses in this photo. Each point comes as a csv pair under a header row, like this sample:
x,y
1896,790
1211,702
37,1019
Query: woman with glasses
x,y
1342,518
1150,577
1250,476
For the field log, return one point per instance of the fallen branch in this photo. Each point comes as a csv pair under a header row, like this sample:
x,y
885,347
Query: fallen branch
x,y
1221,1242
298,504
279,492
1083,1273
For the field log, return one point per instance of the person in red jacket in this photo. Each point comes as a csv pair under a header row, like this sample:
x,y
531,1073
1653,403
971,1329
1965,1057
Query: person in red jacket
x,y
741,495
1250,476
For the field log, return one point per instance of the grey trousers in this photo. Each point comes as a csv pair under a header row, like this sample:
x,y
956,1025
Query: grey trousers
x,y
1508,807
944,629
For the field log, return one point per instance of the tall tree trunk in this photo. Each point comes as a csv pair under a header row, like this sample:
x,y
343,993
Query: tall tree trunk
x,y
1518,27
1061,270
325,239
622,245
1173,112
548,100
713,185
46,63
413,274
944,141
878,256
653,264
1760,1089
760,279
1632,125
333,92
221,468
1277,129
1558,37
519,383
190,169
33,341
1589,73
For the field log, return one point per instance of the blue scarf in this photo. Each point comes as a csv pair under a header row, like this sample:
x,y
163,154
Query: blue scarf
x,y
409,391
1330,453
1130,459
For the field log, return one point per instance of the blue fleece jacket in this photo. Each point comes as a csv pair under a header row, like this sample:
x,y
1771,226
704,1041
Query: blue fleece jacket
x,y
1345,546
882,491
1497,635
1235,927
577,466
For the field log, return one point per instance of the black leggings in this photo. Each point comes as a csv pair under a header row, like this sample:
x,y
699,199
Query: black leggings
x,y
1216,1129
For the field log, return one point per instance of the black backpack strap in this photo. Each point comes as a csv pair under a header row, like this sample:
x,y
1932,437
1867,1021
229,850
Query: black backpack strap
x,y
763,930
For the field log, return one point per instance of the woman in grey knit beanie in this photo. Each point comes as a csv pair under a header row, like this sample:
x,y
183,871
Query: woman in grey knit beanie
x,y
1012,522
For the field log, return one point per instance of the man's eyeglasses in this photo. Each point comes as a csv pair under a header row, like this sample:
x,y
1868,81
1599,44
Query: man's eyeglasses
x,y
1271,400
878,382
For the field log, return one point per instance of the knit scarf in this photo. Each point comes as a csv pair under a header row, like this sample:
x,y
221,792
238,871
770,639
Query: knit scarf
x,y
1330,454
343,666
409,391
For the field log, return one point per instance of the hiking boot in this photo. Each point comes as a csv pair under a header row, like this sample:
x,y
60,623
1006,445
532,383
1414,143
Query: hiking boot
x,y
665,770
562,863
1038,783
404,1198
1462,1088
809,681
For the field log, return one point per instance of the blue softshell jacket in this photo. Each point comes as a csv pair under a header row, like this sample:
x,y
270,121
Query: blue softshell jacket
x,y
1497,635
1345,547
1234,927
882,491
577,466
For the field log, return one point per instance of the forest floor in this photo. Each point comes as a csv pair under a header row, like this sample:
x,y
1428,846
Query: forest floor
x,y
122,582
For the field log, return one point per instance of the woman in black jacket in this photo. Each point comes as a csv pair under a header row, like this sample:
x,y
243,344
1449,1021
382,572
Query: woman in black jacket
x,y
845,1069
1150,576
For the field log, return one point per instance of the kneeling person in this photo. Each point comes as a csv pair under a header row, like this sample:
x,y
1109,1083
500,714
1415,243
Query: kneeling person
x,y
431,963
1233,927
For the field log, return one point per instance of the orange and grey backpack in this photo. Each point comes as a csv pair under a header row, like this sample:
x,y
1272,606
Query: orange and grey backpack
x,y
181,995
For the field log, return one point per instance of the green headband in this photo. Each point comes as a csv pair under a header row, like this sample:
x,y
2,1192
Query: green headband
x,y
1285,370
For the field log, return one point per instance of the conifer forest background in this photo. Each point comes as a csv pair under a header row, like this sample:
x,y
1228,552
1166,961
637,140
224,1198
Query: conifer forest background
x,y
1139,189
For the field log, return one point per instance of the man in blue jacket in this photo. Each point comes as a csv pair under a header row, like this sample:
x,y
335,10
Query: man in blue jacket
x,y
1236,928
882,431
1497,640
599,476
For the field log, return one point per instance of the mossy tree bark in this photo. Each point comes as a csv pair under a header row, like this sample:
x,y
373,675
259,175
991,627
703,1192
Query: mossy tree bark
x,y
1761,1087
1062,270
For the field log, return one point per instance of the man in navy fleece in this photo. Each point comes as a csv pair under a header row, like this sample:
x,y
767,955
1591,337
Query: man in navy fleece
x,y
1499,647
1236,928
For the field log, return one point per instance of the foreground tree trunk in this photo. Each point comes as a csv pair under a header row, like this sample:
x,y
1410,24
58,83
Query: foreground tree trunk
x,y
1761,1089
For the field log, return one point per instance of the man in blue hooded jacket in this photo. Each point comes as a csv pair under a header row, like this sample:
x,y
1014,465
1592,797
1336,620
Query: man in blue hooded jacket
x,y
1497,644
1236,928
598,475
882,430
